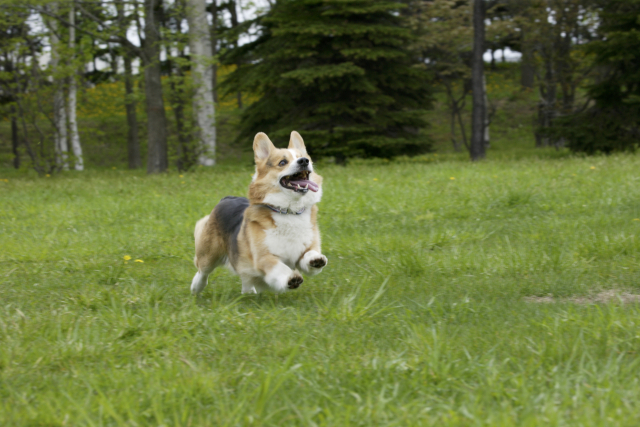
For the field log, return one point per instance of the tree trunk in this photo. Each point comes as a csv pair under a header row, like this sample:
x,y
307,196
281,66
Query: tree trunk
x,y
233,11
547,105
214,49
201,72
486,139
130,102
133,143
185,149
454,140
72,101
527,71
157,158
59,111
565,74
14,138
478,113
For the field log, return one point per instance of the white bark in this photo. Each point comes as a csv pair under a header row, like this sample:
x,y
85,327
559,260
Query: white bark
x,y
73,124
202,72
59,112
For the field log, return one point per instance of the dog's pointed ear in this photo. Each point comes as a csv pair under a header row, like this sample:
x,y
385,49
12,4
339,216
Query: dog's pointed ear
x,y
262,146
297,143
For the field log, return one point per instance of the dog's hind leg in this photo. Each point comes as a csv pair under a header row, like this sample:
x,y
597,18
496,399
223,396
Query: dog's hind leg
x,y
248,284
253,285
210,252
199,281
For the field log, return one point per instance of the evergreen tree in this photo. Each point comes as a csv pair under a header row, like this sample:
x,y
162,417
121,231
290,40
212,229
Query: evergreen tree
x,y
338,71
612,122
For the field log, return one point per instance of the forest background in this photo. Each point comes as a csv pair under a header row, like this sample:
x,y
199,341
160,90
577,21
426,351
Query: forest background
x,y
185,83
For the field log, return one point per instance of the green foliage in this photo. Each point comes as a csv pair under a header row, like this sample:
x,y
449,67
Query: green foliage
x,y
599,130
341,73
420,317
612,123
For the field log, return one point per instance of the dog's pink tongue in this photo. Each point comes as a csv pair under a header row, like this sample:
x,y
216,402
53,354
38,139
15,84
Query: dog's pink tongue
x,y
302,182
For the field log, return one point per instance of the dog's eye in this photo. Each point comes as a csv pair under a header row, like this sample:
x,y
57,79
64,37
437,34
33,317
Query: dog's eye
x,y
282,163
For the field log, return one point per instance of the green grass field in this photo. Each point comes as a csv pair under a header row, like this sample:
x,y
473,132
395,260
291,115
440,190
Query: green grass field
x,y
434,308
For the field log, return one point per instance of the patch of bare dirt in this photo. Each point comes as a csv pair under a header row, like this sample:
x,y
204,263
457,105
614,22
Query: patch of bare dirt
x,y
602,297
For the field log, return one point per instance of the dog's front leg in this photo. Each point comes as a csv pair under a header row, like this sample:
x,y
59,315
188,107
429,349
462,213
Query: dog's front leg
x,y
279,276
312,262
276,274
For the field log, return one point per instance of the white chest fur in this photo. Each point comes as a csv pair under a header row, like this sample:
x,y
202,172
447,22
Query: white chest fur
x,y
292,235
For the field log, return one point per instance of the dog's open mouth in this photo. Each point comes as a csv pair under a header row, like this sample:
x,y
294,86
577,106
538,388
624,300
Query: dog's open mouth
x,y
299,182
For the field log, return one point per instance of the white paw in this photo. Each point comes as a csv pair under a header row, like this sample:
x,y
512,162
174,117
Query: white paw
x,y
313,262
295,280
279,278
199,283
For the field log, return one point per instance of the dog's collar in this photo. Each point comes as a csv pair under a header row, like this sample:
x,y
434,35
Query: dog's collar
x,y
285,211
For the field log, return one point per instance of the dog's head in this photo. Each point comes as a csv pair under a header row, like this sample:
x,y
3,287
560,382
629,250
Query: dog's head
x,y
284,177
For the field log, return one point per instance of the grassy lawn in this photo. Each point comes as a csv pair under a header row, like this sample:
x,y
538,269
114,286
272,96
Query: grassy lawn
x,y
434,308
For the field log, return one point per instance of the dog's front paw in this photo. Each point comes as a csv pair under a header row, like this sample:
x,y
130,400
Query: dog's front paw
x,y
295,281
313,262
319,262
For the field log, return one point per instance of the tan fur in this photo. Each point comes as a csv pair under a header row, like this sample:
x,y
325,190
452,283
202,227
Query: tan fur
x,y
197,233
257,266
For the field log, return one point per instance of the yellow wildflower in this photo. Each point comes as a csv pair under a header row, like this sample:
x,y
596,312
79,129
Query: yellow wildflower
x,y
126,257
453,177
593,167
138,260
375,179
181,176
48,176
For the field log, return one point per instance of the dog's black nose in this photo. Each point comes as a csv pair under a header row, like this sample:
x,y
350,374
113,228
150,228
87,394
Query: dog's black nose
x,y
303,161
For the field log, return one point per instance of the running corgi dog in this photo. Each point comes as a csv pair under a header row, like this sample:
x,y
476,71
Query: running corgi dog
x,y
272,236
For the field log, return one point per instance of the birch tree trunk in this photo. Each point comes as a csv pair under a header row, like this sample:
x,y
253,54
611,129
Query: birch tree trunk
x,y
202,72
157,156
59,111
71,102
477,77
